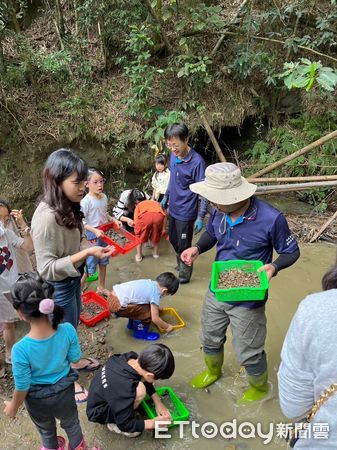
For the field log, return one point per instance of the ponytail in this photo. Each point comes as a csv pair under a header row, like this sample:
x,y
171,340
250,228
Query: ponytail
x,y
32,296
58,315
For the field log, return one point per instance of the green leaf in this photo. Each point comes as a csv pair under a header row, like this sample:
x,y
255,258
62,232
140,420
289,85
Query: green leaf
x,y
327,79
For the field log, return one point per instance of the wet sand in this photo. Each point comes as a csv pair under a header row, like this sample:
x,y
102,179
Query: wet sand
x,y
218,403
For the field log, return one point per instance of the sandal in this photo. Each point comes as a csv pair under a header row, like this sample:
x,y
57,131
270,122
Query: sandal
x,y
139,258
92,365
81,391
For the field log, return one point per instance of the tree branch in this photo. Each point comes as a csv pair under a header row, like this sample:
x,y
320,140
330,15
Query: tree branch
x,y
159,21
222,37
276,41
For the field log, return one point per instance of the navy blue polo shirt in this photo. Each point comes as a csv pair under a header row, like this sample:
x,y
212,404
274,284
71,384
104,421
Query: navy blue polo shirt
x,y
183,202
261,230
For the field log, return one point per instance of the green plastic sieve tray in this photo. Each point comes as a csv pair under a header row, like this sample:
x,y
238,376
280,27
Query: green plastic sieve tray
x,y
239,294
172,402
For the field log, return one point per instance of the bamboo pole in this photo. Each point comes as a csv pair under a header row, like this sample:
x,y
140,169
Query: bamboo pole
x,y
292,179
261,190
213,138
323,227
296,154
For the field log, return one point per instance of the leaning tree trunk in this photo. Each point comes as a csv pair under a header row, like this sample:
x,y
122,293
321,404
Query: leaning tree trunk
x,y
60,19
13,18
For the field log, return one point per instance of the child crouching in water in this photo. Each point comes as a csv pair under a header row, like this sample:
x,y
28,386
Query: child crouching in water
x,y
150,224
139,301
120,386
41,361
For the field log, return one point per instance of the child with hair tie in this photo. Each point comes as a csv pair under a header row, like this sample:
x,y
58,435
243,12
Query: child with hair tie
x,y
41,361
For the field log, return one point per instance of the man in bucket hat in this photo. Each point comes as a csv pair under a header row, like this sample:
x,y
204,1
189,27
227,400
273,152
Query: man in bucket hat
x,y
242,227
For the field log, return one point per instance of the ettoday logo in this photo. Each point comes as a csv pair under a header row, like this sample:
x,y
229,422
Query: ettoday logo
x,y
245,430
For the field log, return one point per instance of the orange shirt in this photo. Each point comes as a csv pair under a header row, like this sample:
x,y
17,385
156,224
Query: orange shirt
x,y
147,206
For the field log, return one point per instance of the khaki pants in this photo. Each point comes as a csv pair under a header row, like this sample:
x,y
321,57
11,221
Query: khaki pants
x,y
248,328
132,311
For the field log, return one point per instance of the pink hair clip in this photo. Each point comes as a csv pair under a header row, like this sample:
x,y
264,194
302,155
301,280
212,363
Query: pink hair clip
x,y
46,306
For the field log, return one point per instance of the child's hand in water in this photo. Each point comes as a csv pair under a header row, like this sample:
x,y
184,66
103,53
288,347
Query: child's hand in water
x,y
162,411
9,410
162,418
169,328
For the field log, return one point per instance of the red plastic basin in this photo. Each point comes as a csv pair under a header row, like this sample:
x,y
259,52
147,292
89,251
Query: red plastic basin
x,y
133,241
93,297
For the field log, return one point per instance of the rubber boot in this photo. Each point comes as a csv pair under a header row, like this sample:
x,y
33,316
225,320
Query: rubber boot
x,y
61,442
140,331
185,273
257,390
130,324
92,277
214,363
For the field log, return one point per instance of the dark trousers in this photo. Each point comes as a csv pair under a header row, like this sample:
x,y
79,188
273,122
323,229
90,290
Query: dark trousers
x,y
47,407
180,234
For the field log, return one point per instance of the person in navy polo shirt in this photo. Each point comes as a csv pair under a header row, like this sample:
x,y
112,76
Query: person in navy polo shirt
x,y
242,227
187,167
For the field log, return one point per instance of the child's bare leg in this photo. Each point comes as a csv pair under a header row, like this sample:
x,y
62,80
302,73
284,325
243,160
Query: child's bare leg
x,y
83,280
139,254
101,277
140,394
9,337
155,251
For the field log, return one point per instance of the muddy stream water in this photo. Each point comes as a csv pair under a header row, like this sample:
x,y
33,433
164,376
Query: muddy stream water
x,y
218,403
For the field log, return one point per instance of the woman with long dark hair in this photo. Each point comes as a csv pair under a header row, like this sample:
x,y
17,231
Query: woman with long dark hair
x,y
56,231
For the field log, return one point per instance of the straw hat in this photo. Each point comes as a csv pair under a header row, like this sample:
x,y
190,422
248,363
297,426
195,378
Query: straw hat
x,y
224,185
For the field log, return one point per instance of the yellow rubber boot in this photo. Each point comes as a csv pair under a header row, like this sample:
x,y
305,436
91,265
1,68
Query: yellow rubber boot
x,y
214,363
257,390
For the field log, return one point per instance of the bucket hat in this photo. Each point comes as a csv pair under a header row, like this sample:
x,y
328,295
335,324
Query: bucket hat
x,y
224,185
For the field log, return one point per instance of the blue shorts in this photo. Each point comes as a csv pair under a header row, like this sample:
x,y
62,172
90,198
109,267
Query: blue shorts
x,y
92,261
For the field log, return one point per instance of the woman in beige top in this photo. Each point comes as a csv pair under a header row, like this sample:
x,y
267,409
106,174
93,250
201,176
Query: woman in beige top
x,y
56,231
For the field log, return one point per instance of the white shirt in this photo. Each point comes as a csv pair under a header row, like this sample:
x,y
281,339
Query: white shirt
x,y
138,292
95,210
160,181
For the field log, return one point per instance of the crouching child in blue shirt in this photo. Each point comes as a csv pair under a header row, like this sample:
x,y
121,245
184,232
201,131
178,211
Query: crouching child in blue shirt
x,y
139,301
119,387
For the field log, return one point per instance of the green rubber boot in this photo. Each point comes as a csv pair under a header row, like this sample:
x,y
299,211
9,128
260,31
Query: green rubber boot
x,y
258,389
214,363
92,277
